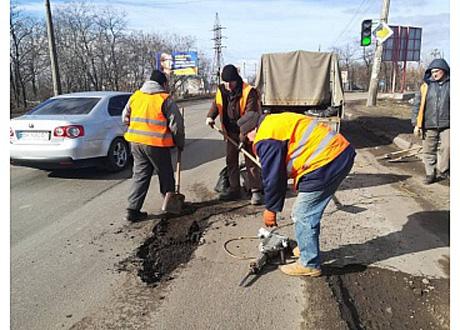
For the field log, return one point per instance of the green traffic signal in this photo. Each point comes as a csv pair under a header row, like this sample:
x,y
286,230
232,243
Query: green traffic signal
x,y
366,41
366,30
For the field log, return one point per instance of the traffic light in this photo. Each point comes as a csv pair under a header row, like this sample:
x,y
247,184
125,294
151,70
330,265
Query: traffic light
x,y
366,30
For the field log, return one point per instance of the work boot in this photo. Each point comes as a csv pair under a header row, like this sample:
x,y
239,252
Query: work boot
x,y
135,215
296,269
256,198
429,179
230,195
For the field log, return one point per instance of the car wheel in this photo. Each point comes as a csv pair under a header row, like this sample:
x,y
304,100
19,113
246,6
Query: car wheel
x,y
118,156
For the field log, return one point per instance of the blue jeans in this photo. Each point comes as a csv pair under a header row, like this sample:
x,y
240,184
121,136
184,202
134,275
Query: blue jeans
x,y
306,214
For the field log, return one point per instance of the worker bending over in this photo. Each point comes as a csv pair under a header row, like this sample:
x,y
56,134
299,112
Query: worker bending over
x,y
291,145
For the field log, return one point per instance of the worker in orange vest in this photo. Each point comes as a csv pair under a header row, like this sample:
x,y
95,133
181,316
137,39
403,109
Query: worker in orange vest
x,y
291,145
233,99
155,127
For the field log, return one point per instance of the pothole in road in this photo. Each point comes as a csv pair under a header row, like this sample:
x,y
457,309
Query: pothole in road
x,y
174,240
373,298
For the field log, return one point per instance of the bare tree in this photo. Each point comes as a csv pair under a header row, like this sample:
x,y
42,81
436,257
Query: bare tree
x,y
110,28
95,52
20,30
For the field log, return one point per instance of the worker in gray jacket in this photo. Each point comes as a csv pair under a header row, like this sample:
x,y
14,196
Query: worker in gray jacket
x,y
155,126
431,120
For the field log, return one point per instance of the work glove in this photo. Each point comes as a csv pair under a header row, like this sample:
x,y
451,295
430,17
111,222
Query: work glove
x,y
417,132
270,218
210,122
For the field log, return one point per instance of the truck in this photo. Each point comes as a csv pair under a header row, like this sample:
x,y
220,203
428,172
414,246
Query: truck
x,y
302,82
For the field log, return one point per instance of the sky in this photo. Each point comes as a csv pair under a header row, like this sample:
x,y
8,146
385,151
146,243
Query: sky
x,y
254,27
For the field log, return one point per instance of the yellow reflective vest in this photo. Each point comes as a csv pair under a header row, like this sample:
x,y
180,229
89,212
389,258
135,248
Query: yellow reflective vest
x,y
147,123
243,100
310,146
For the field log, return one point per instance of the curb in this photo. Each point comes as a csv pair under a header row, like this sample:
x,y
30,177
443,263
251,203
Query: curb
x,y
401,141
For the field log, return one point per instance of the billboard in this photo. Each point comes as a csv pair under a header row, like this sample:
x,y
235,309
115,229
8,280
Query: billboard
x,y
185,63
178,63
403,45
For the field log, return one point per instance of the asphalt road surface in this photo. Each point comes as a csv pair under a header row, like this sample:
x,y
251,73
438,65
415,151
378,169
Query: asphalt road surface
x,y
74,260
66,236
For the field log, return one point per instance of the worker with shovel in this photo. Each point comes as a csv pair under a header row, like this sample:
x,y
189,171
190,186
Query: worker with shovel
x,y
233,99
155,126
291,145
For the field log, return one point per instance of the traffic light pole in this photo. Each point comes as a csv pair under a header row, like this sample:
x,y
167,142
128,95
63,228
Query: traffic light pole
x,y
372,96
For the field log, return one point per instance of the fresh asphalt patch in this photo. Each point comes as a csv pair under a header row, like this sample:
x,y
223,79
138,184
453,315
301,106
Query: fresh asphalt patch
x,y
174,239
384,299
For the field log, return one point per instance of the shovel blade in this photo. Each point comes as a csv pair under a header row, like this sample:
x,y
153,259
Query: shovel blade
x,y
173,203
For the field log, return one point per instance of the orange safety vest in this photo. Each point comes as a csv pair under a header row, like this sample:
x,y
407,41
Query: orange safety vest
x,y
147,124
421,109
311,144
243,100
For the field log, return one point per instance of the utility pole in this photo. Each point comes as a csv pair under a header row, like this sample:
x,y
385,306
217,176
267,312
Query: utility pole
x,y
52,48
372,96
218,57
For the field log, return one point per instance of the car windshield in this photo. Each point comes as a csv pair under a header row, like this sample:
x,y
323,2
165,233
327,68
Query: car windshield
x,y
65,106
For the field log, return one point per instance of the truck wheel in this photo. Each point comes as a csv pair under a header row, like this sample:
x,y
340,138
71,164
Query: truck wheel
x,y
118,156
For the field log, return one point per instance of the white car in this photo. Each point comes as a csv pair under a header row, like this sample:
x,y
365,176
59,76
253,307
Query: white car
x,y
73,130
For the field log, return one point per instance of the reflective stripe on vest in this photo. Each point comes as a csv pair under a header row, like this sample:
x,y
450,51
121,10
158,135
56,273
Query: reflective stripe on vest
x,y
301,145
311,145
150,121
147,123
243,99
155,134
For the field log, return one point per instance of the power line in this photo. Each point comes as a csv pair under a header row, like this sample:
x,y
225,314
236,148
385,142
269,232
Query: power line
x,y
351,21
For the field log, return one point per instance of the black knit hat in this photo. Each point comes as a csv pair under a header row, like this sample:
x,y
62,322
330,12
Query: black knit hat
x,y
158,76
230,73
248,122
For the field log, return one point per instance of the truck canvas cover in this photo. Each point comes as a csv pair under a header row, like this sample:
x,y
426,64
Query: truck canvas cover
x,y
299,78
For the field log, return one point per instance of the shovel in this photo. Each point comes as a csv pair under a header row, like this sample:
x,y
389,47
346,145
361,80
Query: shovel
x,y
238,146
174,201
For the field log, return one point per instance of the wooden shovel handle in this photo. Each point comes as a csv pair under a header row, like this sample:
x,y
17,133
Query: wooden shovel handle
x,y
244,151
178,162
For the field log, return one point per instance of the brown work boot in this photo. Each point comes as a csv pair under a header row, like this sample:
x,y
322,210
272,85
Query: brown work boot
x,y
296,269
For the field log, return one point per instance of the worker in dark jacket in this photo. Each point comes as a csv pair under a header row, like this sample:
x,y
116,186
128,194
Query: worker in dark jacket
x,y
291,145
234,98
431,119
155,126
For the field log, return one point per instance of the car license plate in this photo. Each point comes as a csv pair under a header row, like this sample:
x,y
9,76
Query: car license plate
x,y
33,135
